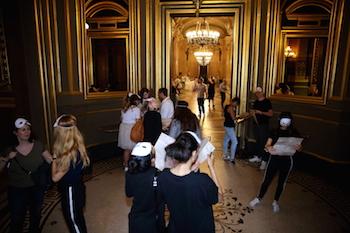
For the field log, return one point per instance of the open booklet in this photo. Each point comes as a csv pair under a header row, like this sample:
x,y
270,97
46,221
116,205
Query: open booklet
x,y
159,148
161,161
286,146
205,149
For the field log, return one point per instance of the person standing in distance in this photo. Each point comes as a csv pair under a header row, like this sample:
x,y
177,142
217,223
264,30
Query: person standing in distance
x,y
262,108
223,89
166,108
229,125
201,89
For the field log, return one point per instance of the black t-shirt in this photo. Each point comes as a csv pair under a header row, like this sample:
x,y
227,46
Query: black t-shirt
x,y
140,187
189,199
264,106
142,217
229,122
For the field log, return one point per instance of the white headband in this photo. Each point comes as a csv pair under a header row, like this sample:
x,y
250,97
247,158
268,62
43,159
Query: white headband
x,y
195,136
56,124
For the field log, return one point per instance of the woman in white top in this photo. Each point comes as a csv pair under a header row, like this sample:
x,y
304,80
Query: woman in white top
x,y
129,115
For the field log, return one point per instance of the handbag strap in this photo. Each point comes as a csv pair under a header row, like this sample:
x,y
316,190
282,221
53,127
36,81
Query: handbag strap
x,y
28,172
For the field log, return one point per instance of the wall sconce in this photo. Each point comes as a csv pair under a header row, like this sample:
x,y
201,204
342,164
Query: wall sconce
x,y
288,52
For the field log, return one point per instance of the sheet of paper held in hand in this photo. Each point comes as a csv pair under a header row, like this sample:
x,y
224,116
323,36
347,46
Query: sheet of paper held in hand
x,y
205,149
286,146
162,142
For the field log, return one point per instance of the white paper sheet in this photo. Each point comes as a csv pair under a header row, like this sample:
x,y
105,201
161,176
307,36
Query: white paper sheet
x,y
205,149
159,148
286,146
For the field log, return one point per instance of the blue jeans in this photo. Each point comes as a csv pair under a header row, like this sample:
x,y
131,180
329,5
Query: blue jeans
x,y
230,135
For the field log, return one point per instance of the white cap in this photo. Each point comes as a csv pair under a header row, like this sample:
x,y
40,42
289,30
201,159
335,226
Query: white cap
x,y
20,122
142,149
258,89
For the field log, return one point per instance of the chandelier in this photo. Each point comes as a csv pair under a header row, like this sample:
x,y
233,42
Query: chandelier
x,y
288,52
203,57
203,35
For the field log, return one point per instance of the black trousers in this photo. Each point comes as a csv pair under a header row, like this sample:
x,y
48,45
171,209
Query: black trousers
x,y
281,164
73,202
200,102
223,98
21,199
261,135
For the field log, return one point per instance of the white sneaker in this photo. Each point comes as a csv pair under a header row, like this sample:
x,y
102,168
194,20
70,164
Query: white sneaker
x,y
254,202
275,207
263,165
255,159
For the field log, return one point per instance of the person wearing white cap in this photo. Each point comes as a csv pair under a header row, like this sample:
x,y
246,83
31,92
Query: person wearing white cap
x,y
281,164
189,195
140,184
262,109
23,193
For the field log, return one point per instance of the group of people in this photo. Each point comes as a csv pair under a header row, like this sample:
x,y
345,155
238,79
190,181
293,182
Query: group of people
x,y
152,190
182,189
270,161
189,194
185,192
68,160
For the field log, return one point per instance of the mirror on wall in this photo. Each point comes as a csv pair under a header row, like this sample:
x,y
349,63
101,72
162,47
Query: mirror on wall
x,y
107,48
303,50
109,65
304,59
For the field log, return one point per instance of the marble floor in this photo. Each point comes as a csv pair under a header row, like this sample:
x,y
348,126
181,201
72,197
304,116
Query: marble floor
x,y
308,205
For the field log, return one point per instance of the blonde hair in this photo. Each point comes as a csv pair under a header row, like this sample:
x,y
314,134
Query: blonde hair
x,y
67,142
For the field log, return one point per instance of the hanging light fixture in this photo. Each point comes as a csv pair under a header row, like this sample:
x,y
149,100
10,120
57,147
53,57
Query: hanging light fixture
x,y
203,57
202,35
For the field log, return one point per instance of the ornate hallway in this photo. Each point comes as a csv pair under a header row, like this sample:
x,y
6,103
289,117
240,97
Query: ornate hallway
x,y
308,204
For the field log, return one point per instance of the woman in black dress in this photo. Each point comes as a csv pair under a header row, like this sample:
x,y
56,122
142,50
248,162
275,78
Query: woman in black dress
x,y
189,195
211,92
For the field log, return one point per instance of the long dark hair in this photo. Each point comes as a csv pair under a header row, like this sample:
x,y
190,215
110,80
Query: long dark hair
x,y
131,102
181,150
188,120
137,164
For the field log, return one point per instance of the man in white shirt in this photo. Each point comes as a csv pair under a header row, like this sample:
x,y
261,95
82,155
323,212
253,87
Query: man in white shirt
x,y
201,90
166,108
